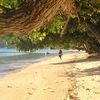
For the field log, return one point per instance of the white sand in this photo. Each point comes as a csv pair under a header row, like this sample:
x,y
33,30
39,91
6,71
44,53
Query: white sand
x,y
87,74
88,79
49,80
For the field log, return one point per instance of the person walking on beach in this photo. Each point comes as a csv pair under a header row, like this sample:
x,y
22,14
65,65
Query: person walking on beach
x,y
60,54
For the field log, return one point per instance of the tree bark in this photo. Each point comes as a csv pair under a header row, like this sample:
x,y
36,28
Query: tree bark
x,y
33,14
65,26
93,30
93,47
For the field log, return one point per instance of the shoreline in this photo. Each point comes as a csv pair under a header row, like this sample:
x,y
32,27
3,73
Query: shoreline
x,y
15,61
45,77
23,65
51,79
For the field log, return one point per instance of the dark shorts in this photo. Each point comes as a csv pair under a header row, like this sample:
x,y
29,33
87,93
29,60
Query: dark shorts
x,y
60,56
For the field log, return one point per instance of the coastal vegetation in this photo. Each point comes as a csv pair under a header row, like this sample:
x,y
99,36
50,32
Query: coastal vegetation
x,y
66,24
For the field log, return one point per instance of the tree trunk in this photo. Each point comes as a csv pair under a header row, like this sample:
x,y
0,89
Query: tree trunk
x,y
33,14
65,26
93,30
92,47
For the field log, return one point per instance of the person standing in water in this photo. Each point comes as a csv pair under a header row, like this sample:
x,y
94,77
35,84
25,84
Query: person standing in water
x,y
60,54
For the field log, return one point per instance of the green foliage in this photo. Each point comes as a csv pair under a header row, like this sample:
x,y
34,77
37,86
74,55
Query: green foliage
x,y
36,34
89,10
56,24
24,43
76,34
11,4
1,11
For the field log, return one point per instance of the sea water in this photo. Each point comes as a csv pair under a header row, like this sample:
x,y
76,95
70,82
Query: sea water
x,y
11,59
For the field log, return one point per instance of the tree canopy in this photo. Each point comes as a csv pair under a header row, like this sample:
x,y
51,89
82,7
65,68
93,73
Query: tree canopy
x,y
64,23
31,14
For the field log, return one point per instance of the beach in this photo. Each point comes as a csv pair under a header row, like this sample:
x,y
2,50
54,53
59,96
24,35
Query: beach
x,y
75,77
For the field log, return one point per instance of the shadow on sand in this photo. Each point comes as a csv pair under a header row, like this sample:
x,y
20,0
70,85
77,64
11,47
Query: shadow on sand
x,y
81,73
77,60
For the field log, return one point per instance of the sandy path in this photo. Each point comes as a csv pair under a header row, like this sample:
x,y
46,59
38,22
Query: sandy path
x,y
42,81
87,74
88,80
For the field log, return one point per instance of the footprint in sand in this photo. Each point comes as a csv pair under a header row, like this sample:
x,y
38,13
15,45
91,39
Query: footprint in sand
x,y
88,89
92,79
83,87
52,91
9,86
31,83
47,88
31,88
35,72
29,93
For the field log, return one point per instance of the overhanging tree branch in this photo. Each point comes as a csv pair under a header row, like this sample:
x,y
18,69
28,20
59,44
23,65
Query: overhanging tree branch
x,y
93,30
65,25
34,14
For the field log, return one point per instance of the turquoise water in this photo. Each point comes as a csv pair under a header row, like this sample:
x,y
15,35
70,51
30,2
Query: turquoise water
x,y
11,60
9,52
12,63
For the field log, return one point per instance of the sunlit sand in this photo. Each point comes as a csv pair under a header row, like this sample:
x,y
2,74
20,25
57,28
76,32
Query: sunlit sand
x,y
73,77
